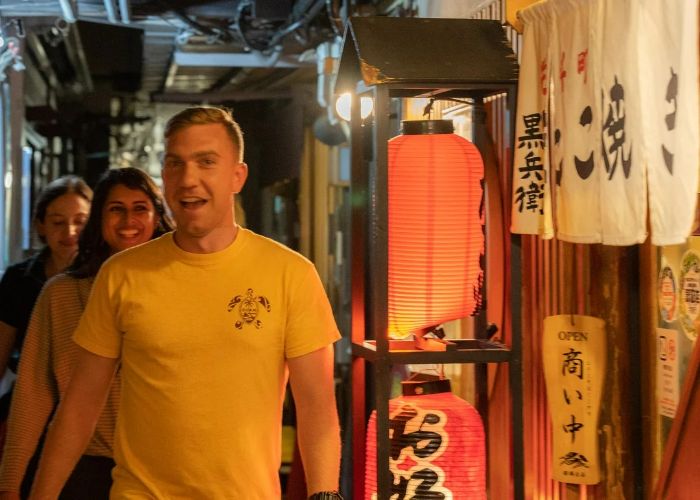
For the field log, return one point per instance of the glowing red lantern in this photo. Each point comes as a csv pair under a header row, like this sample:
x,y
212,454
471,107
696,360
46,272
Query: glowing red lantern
x,y
436,237
437,447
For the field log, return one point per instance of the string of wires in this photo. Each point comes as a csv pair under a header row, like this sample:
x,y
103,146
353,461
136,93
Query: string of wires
x,y
263,35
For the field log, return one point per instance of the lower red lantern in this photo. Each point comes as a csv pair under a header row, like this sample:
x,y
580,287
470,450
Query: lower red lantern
x,y
437,446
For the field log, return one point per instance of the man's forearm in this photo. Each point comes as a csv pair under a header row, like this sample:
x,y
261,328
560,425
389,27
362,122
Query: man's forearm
x,y
318,434
68,437
74,423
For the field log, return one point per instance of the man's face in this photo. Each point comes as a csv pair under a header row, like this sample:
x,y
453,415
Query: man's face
x,y
201,172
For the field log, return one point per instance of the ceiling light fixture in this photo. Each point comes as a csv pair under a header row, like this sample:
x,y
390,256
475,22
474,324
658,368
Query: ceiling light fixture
x,y
342,106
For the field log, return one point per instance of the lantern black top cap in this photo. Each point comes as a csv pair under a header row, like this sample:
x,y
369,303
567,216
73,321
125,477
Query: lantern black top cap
x,y
426,51
423,387
423,127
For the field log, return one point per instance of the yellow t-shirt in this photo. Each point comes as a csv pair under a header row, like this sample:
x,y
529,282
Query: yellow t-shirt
x,y
203,340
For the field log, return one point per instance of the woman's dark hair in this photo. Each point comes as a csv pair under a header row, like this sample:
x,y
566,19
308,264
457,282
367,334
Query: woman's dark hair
x,y
68,184
92,248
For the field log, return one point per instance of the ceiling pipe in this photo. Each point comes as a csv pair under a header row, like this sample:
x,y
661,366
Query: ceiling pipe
x,y
111,9
125,10
68,10
76,55
233,60
222,97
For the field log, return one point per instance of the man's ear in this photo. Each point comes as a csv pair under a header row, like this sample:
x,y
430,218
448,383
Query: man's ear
x,y
240,174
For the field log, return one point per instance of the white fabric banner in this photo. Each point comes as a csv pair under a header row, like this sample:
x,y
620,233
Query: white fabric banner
x,y
623,193
532,212
621,126
668,58
577,169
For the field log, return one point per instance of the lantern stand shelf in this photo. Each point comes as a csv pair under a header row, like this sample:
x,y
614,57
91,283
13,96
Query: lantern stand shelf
x,y
389,58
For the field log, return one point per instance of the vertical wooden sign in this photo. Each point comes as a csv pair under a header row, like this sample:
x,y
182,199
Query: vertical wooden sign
x,y
574,356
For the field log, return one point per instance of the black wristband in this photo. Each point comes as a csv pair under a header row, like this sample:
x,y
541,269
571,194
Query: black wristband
x,y
326,495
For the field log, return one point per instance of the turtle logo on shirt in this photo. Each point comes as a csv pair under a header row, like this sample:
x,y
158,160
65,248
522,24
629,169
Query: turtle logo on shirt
x,y
248,308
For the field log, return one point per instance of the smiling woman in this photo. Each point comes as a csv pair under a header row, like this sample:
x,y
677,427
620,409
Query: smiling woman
x,y
128,218
127,211
138,191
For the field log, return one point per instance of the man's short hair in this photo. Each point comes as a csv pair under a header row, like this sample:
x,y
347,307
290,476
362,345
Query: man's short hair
x,y
206,115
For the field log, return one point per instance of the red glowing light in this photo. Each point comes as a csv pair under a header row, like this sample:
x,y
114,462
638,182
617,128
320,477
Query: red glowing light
x,y
436,237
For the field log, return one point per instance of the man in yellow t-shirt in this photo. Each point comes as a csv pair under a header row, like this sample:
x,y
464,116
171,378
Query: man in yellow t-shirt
x,y
205,322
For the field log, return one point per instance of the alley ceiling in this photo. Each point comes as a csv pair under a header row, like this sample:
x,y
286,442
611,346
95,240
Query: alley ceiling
x,y
174,50
116,63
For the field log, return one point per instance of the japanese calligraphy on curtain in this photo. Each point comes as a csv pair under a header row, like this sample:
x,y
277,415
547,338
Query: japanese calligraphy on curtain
x,y
623,128
532,212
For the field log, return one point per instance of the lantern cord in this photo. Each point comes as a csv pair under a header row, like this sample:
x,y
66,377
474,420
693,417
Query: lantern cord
x,y
428,110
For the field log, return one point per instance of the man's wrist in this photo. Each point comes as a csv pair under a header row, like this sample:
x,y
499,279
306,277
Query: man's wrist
x,y
326,495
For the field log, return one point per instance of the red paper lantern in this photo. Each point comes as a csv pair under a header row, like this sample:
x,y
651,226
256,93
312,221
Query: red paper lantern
x,y
437,447
436,236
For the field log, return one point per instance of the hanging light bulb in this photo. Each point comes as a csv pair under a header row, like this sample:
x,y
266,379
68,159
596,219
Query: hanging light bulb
x,y
344,101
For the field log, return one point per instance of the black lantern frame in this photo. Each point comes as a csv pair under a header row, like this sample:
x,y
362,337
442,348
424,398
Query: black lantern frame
x,y
388,58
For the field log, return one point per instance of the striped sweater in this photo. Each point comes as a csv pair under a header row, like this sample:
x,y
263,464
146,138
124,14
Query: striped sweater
x,y
46,364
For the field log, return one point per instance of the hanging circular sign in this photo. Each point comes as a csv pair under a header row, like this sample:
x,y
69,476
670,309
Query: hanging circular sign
x,y
689,304
666,288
